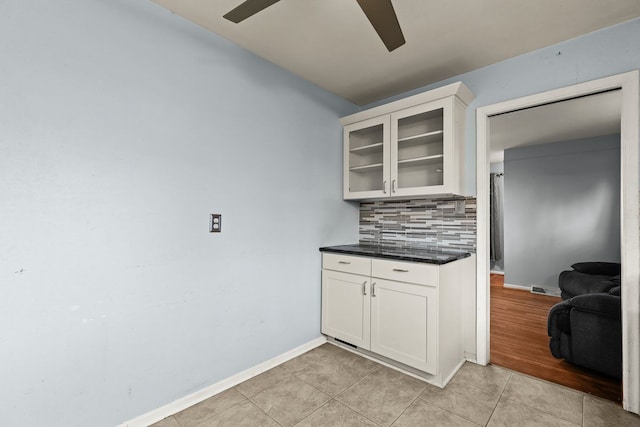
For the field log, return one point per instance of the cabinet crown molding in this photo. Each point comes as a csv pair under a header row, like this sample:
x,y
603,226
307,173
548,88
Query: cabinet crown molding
x,y
458,89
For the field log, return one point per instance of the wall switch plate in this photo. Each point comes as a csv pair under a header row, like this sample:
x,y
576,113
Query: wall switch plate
x,y
460,206
215,223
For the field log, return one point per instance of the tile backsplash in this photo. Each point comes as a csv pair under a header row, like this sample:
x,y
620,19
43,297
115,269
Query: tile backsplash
x,y
421,223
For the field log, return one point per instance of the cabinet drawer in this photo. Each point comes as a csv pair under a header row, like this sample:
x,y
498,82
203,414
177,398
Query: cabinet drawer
x,y
410,272
347,263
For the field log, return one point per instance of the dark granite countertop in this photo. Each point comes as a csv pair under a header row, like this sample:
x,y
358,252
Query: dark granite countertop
x,y
402,254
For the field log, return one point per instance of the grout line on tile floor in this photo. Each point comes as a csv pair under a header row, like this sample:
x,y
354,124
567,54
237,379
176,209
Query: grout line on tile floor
x,y
358,381
475,388
544,412
499,397
316,388
405,409
363,415
261,410
314,411
562,386
333,399
341,392
583,394
246,399
479,388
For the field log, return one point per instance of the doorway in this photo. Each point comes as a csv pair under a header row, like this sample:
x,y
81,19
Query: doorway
x,y
630,238
555,192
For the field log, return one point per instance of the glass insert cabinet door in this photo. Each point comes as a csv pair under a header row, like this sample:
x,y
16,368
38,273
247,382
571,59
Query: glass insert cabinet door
x,y
420,157
367,158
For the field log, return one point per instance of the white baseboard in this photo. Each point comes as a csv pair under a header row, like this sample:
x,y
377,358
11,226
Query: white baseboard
x,y
501,273
510,286
197,397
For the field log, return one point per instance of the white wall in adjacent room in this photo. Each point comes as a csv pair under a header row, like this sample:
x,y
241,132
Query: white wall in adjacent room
x,y
561,206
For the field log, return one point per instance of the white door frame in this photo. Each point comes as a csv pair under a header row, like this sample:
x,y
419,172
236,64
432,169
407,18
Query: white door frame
x,y
630,236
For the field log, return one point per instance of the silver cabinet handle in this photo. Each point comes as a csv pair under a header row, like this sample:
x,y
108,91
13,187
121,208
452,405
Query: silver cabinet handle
x,y
399,270
384,187
393,186
364,288
344,262
373,289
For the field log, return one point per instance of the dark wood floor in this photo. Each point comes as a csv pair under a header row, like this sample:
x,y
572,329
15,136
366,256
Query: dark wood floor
x,y
519,342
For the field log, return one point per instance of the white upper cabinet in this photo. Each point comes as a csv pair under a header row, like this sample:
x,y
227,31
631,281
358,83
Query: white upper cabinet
x,y
422,152
367,154
408,148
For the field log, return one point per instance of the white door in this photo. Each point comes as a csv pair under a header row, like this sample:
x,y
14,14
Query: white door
x,y
366,159
403,323
346,312
421,152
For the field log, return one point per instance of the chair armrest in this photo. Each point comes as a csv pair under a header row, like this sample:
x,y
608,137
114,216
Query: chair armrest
x,y
598,268
615,291
558,319
574,283
600,304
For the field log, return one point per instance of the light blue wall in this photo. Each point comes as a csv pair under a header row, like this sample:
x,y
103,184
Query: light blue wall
x,y
122,127
610,51
561,206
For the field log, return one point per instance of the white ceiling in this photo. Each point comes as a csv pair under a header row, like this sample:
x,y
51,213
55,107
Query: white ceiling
x,y
585,117
332,44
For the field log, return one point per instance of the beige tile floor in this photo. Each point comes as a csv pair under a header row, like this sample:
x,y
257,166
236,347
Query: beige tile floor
x,y
329,386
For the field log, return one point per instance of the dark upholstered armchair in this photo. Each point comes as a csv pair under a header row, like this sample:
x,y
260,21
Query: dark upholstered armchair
x,y
589,278
586,328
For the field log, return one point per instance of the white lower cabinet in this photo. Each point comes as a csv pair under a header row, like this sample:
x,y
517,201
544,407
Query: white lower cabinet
x,y
404,312
403,323
345,307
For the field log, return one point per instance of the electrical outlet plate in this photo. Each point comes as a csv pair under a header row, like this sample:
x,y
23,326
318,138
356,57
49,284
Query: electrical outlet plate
x,y
215,223
460,206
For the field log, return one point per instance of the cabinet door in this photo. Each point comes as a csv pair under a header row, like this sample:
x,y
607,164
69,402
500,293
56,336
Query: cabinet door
x,y
366,159
423,150
346,310
403,323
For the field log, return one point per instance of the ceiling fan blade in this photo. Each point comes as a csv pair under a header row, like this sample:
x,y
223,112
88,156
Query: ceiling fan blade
x,y
247,9
384,20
